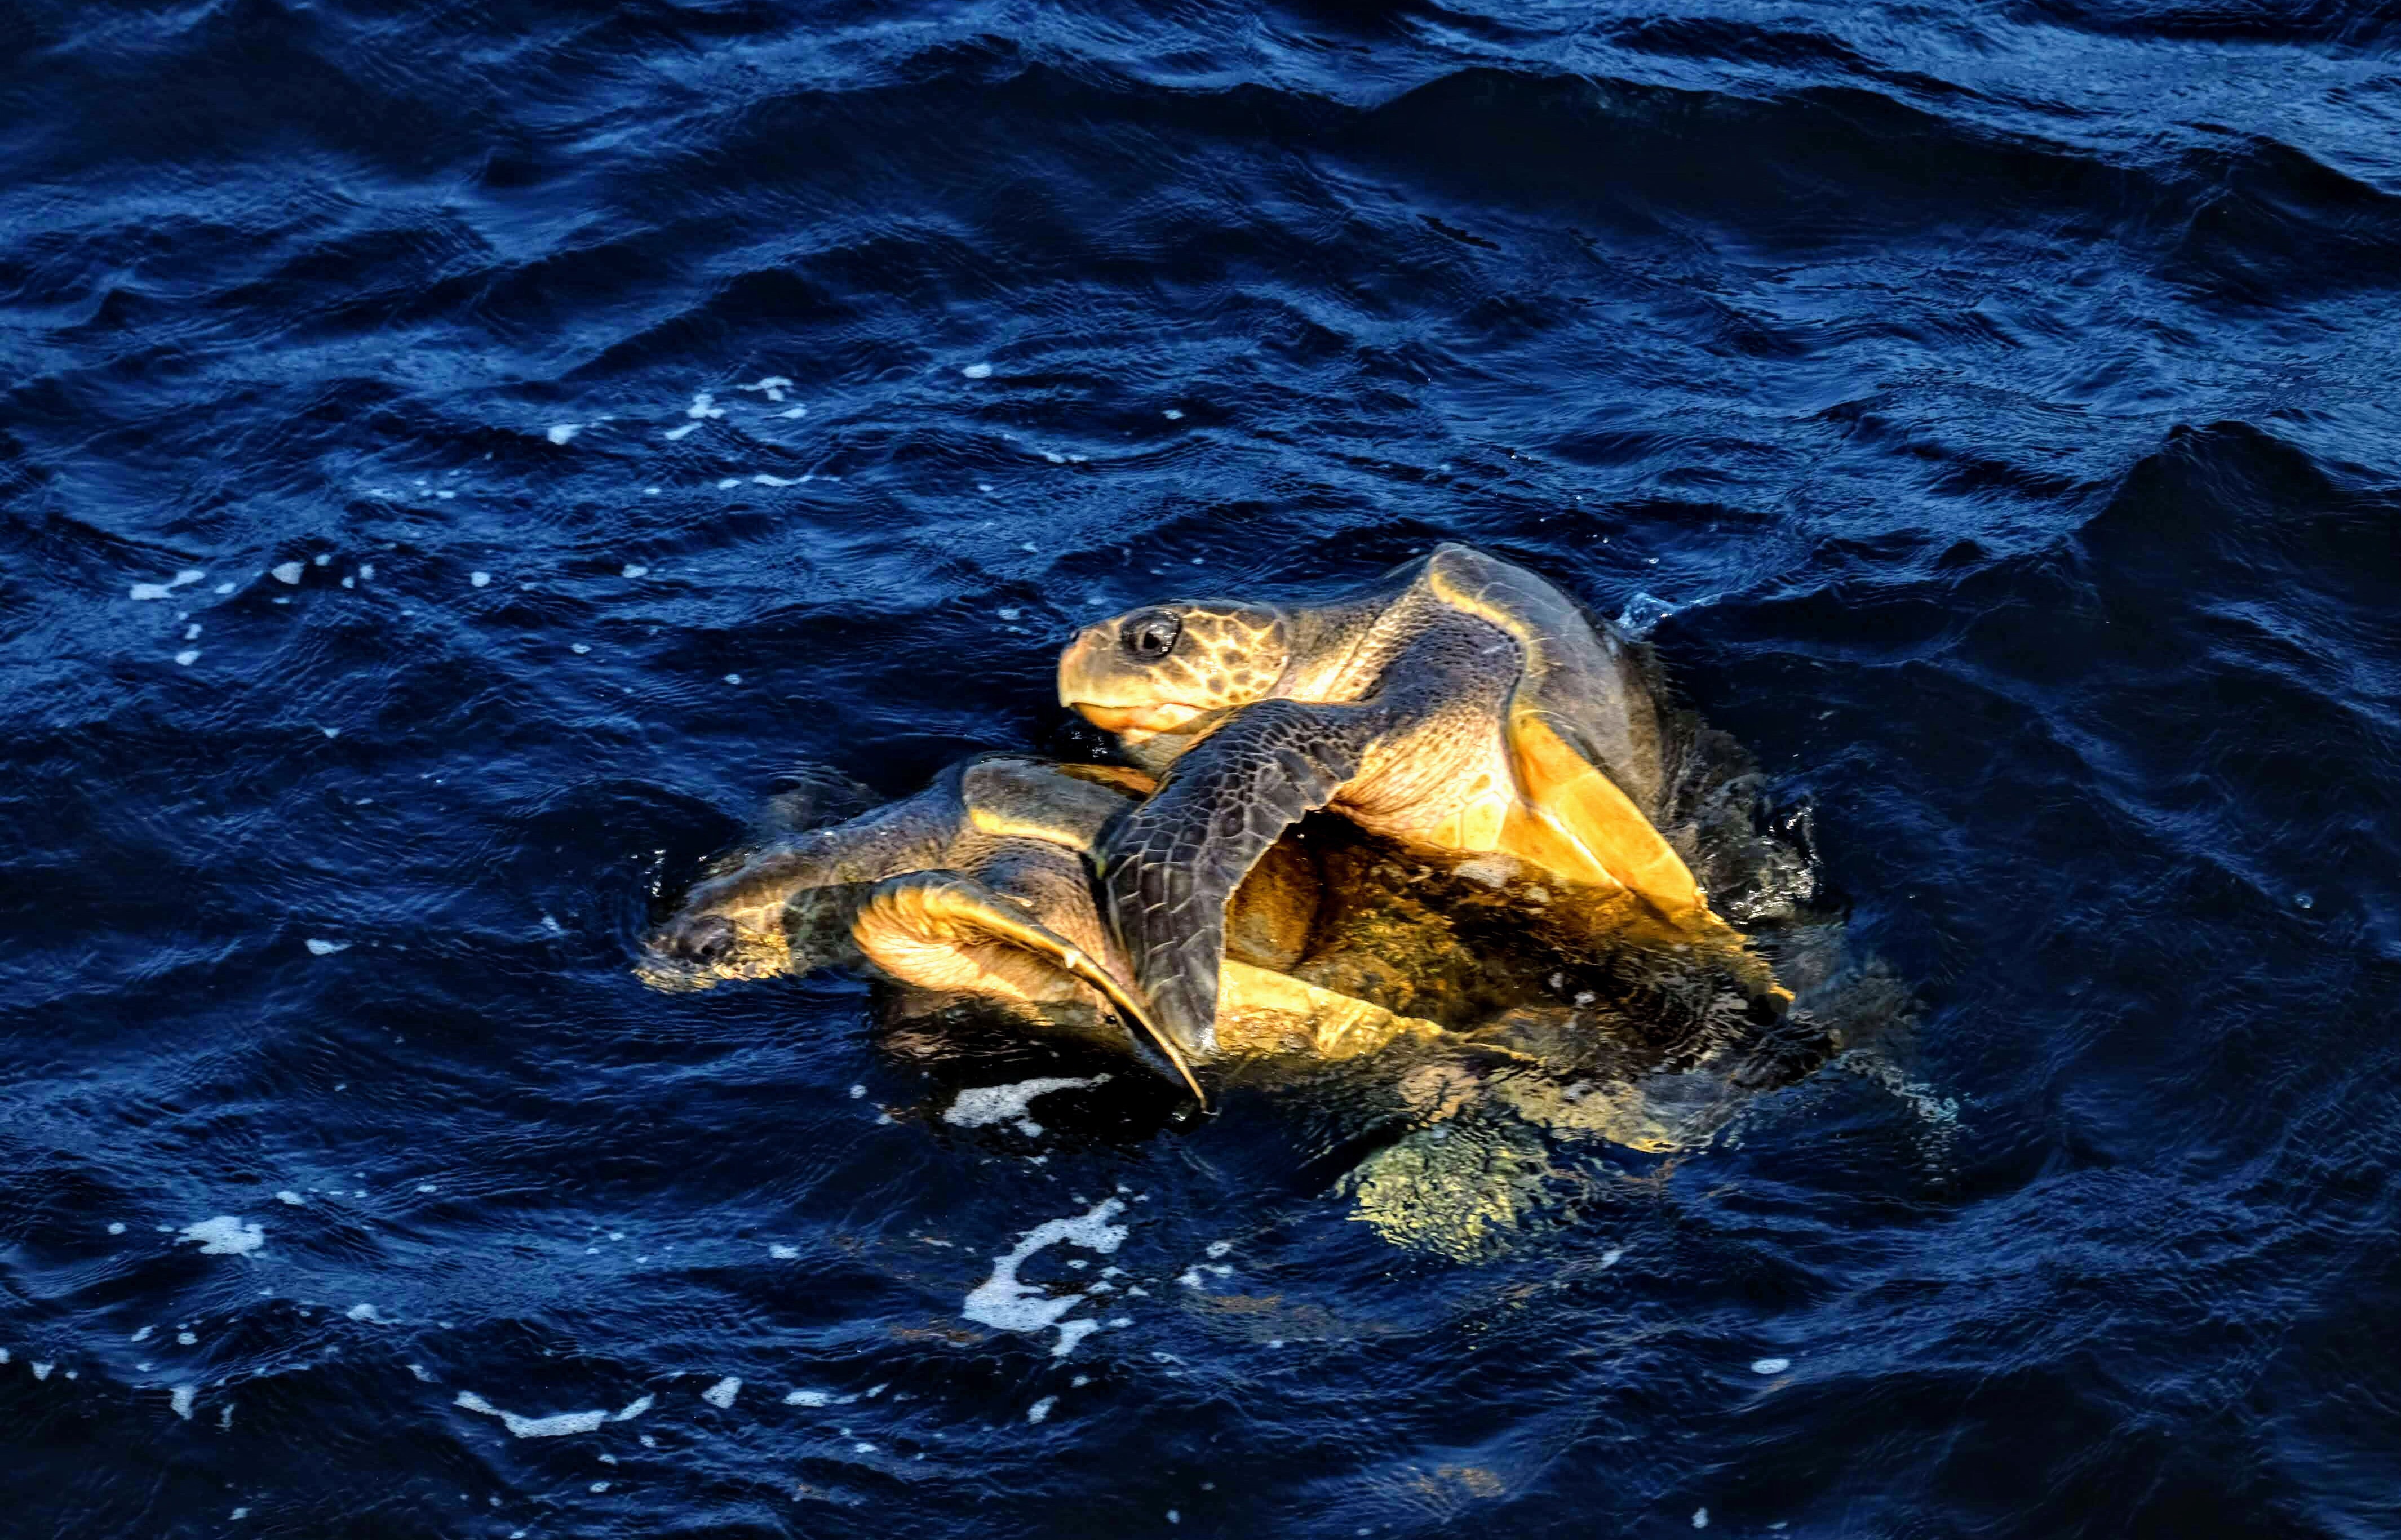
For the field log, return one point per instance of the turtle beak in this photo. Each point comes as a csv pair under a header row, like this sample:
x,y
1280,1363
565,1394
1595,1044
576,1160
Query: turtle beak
x,y
1077,673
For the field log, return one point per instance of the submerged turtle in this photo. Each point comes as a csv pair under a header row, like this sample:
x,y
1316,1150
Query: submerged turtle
x,y
980,886
1458,704
1338,943
1463,1026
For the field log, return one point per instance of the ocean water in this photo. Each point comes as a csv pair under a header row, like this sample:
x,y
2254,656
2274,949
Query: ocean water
x,y
455,459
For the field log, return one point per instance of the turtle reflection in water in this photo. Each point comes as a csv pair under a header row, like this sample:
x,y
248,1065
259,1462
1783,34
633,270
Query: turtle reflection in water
x,y
1457,1015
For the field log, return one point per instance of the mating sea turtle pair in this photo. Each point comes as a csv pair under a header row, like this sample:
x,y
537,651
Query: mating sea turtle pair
x,y
1460,705
1492,937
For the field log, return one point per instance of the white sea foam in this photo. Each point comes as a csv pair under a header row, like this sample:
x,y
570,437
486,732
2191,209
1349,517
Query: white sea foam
x,y
1002,1301
783,1253
729,483
288,572
635,570
773,385
180,1399
287,1195
159,591
674,433
186,658
41,1372
721,1394
225,1236
364,1312
1643,612
478,579
1040,1408
764,480
556,1426
795,412
985,1105
562,431
1770,1366
978,371
319,947
704,405
808,1398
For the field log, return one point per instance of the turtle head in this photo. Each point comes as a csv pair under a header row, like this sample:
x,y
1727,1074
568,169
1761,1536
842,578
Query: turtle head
x,y
729,927
1164,668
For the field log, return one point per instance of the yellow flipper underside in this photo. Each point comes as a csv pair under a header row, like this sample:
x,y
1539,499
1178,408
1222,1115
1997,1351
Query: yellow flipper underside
x,y
946,906
1575,821
1257,1008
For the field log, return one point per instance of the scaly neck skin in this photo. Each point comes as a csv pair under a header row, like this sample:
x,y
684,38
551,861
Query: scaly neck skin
x,y
1339,651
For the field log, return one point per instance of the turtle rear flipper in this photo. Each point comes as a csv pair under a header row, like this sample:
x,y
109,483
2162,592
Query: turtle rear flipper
x,y
946,918
1169,866
811,795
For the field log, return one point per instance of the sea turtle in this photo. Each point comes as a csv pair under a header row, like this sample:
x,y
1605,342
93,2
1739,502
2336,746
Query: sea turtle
x,y
1459,704
980,886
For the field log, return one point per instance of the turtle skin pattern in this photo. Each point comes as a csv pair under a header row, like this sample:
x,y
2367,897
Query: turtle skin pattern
x,y
1173,861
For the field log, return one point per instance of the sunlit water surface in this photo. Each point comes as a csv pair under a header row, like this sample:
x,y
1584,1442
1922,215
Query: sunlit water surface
x,y
455,459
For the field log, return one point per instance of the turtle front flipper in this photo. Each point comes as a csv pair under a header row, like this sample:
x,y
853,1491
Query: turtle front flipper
x,y
1169,867
945,930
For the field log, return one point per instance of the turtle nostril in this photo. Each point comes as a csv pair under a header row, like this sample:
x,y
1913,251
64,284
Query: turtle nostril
x,y
706,939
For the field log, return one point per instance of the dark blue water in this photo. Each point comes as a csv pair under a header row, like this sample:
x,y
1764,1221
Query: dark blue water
x,y
2001,394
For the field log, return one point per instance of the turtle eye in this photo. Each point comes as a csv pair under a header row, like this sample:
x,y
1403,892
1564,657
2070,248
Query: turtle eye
x,y
1152,634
